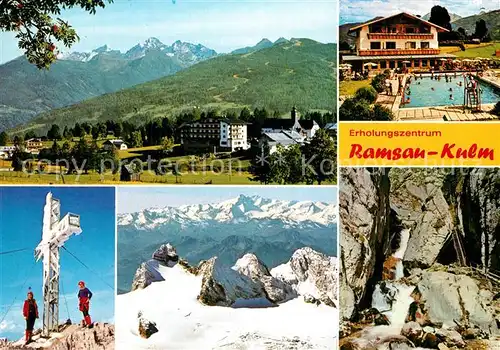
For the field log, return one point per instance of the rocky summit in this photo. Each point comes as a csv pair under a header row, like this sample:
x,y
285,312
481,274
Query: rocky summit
x,y
312,274
244,305
276,290
222,285
99,337
308,273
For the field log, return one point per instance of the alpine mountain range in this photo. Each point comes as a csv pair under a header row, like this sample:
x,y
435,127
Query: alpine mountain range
x,y
272,229
79,76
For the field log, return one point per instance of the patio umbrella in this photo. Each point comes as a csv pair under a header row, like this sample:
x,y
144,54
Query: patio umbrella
x,y
370,64
406,61
443,59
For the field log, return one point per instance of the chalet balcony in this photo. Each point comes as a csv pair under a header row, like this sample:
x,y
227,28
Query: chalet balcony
x,y
398,52
408,36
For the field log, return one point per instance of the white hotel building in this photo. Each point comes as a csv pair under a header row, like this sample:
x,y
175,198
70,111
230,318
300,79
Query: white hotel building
x,y
215,134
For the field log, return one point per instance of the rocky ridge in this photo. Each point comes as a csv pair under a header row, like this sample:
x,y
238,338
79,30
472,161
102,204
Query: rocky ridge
x,y
309,274
147,272
312,275
240,209
250,278
184,52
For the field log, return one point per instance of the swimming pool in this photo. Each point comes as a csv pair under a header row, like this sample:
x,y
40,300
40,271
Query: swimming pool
x,y
427,92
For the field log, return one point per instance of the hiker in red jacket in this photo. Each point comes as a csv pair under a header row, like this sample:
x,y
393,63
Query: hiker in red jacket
x,y
84,296
30,313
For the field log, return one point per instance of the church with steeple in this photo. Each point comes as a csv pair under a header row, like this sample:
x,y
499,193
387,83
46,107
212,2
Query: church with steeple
x,y
304,128
287,131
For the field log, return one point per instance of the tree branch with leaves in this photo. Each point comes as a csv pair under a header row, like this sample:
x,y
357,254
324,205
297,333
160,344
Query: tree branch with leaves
x,y
38,28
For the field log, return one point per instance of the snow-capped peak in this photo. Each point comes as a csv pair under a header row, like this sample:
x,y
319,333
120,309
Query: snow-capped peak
x,y
240,209
184,52
152,43
141,49
104,48
83,56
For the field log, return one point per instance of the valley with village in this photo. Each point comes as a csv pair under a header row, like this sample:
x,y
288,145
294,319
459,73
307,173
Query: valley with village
x,y
188,116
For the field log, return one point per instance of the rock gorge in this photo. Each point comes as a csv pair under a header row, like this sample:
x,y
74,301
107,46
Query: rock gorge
x,y
419,258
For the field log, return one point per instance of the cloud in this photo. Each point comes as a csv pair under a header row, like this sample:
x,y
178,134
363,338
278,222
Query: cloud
x,y
221,25
9,326
223,28
362,10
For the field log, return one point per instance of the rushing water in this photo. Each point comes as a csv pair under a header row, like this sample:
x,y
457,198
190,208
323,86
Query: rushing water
x,y
393,298
400,253
427,92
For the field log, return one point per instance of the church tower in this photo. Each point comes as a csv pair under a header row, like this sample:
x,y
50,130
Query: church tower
x,y
295,115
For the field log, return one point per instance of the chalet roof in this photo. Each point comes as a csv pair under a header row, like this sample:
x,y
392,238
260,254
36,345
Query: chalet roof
x,y
279,138
235,121
358,27
206,120
293,135
287,137
396,57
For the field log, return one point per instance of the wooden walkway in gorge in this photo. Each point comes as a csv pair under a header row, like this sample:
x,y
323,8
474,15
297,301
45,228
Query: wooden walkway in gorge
x,y
458,245
459,248
492,275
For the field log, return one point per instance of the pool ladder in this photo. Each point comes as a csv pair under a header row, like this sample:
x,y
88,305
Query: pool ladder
x,y
472,97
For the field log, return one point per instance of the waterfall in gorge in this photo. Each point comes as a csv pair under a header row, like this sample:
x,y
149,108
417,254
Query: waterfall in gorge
x,y
393,298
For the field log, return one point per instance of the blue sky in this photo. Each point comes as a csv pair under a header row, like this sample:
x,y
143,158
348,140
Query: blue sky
x,y
362,10
223,25
21,212
132,199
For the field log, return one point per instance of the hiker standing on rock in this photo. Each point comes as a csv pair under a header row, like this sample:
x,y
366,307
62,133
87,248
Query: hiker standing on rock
x,y
30,313
84,296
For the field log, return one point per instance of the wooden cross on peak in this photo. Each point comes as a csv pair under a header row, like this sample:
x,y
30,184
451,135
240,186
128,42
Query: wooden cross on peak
x,y
55,233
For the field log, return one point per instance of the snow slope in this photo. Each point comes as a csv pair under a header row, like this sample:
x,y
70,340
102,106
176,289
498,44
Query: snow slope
x,y
184,323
